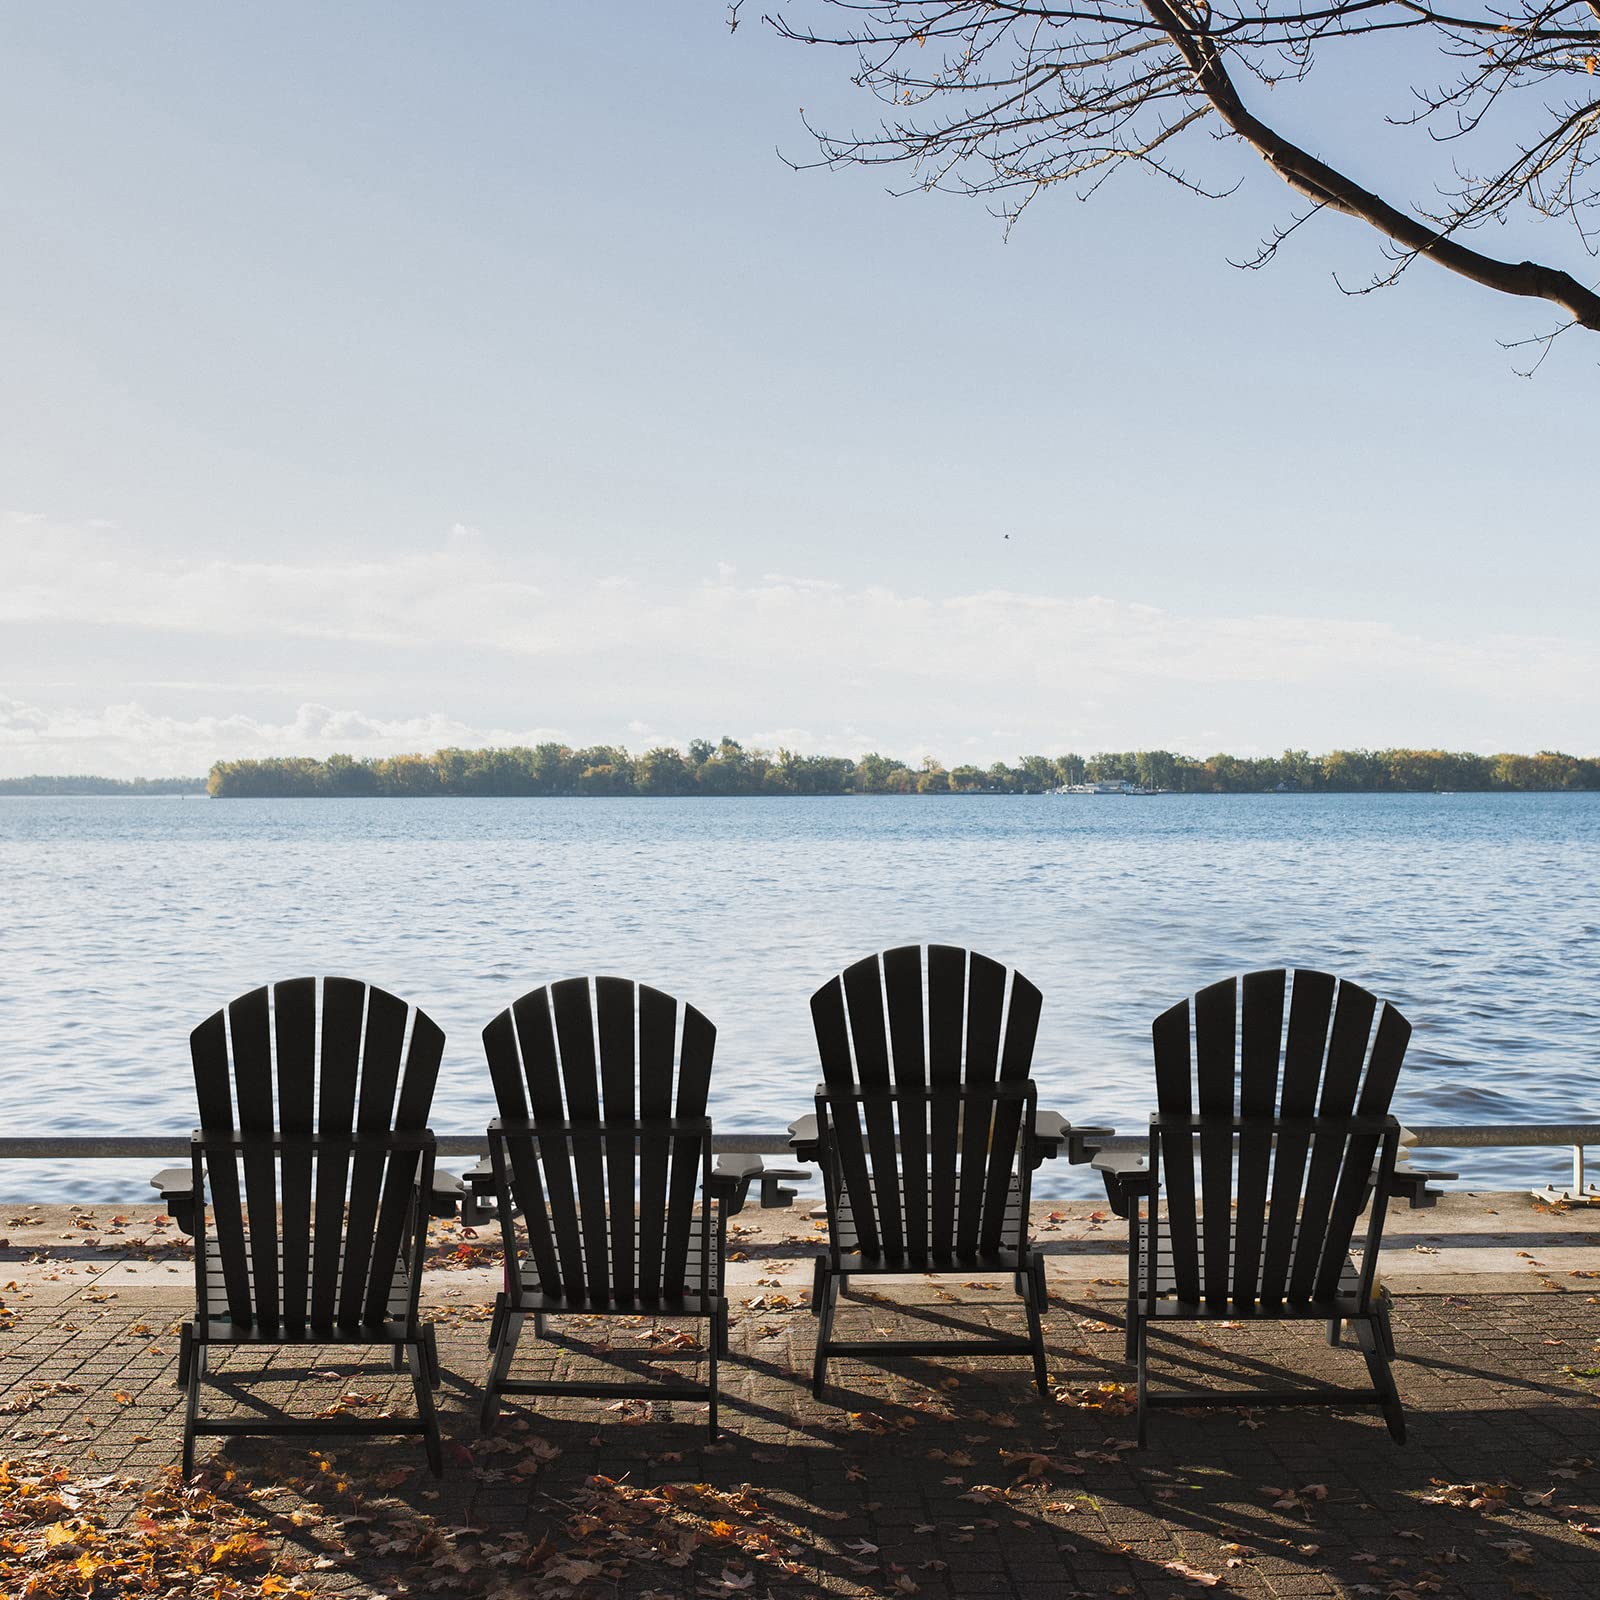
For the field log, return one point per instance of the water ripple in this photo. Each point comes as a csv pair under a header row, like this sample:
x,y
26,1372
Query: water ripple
x,y
124,921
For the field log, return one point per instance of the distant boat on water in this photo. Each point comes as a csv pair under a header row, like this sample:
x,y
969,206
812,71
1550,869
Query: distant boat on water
x,y
1107,786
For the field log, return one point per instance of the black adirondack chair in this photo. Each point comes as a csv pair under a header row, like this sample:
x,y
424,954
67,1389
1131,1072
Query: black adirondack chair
x,y
1284,1138
603,1146
318,1208
927,1131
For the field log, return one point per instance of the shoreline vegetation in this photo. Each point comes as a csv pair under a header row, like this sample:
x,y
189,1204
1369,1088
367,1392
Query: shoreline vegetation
x,y
82,783
728,768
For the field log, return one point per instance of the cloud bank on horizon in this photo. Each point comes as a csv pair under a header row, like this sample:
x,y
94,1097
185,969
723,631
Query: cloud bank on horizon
x,y
120,661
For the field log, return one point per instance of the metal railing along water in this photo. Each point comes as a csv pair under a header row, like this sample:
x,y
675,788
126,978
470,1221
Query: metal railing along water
x,y
1576,1136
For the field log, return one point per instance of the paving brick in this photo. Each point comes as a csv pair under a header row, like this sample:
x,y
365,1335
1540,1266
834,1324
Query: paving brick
x,y
1488,1403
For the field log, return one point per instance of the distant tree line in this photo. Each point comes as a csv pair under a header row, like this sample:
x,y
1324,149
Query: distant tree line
x,y
728,768
83,784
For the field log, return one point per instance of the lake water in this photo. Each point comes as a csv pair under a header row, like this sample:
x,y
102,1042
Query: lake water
x,y
123,922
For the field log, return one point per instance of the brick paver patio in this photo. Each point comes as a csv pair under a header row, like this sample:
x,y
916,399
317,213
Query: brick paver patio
x,y
932,1477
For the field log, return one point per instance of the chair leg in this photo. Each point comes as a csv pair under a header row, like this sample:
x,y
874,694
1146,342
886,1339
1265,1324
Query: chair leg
x,y
416,1355
191,1407
497,1321
499,1367
1032,1294
719,1328
1386,1327
185,1353
1142,1352
398,1356
1335,1328
430,1347
1043,1299
714,1346
819,1284
540,1327
819,1365
1369,1335
1130,1321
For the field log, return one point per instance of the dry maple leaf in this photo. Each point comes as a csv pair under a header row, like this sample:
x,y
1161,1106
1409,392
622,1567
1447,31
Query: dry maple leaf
x,y
1031,1468
1205,1580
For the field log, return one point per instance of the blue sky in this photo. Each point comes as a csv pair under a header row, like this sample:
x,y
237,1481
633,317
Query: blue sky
x,y
380,377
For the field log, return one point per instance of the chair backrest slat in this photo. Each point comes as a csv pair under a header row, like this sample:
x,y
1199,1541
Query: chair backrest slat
x,y
1170,1034
1383,1065
697,1046
947,1030
208,1048
1215,1045
404,1168
1260,1050
615,1031
863,995
658,1047
933,1048
830,1018
506,1074
1297,1089
986,1000
294,1032
545,1175
380,1072
250,1034
906,1004
344,1021
284,1064
575,1036
1016,1061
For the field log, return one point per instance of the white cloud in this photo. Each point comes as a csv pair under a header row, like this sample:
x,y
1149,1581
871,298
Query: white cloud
x,y
508,652
128,740
51,573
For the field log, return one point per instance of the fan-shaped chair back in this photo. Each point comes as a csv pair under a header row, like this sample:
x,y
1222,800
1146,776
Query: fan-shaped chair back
x,y
316,1096
931,1047
1275,1086
601,1085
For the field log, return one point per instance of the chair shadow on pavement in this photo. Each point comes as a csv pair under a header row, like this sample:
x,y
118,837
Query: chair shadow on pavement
x,y
933,1476
940,1477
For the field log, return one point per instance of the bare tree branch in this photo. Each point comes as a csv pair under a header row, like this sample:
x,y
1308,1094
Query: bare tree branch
x,y
1015,97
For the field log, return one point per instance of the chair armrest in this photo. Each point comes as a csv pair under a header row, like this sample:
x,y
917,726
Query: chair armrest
x,y
1411,1184
734,1174
730,1181
1127,1175
177,1195
1051,1131
446,1196
478,1201
1126,1166
805,1138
